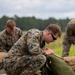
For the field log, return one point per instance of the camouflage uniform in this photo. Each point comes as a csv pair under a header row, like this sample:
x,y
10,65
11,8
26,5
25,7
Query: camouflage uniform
x,y
69,37
7,40
26,55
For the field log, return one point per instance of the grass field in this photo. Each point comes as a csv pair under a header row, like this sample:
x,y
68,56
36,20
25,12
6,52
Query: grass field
x,y
57,47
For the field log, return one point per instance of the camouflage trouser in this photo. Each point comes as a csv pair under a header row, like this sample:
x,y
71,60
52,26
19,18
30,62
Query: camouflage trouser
x,y
25,65
66,49
46,68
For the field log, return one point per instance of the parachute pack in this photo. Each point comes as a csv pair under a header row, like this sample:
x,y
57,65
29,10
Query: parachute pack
x,y
70,60
56,66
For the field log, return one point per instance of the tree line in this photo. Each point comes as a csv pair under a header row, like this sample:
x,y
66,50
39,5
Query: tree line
x,y
26,23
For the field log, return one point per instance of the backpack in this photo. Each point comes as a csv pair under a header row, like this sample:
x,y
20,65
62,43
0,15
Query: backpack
x,y
58,66
70,60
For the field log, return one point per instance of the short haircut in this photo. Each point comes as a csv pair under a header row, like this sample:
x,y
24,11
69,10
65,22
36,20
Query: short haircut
x,y
54,28
10,24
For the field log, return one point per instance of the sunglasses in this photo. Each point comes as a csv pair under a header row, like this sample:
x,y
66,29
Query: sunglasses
x,y
54,38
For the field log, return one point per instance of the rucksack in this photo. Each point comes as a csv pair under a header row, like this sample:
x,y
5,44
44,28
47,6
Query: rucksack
x,y
58,66
70,60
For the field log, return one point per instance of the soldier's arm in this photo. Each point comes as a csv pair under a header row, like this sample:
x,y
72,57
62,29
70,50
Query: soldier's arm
x,y
20,33
2,44
70,29
33,45
66,48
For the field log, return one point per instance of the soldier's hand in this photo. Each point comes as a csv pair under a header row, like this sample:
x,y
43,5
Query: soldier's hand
x,y
48,51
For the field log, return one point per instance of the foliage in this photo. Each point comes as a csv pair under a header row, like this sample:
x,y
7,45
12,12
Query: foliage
x,y
26,23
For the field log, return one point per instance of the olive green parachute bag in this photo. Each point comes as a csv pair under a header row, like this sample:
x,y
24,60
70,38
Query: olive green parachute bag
x,y
58,66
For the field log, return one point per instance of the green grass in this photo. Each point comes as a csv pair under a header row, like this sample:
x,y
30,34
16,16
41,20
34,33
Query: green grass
x,y
57,47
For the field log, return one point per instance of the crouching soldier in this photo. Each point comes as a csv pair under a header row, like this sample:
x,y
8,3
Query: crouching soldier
x,y
27,55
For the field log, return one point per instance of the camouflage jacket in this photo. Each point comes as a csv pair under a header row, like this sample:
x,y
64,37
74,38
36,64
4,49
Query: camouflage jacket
x,y
70,33
6,40
29,44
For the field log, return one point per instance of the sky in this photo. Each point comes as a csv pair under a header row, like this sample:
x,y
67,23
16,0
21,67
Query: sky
x,y
42,9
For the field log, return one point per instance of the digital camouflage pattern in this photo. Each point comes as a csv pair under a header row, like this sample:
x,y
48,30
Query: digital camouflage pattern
x,y
69,37
26,55
6,40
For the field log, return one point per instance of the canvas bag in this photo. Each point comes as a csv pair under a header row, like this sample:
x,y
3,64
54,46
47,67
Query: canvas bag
x,y
58,66
70,60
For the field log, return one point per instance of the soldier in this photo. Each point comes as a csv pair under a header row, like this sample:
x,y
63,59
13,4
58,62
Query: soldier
x,y
69,37
28,54
8,37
